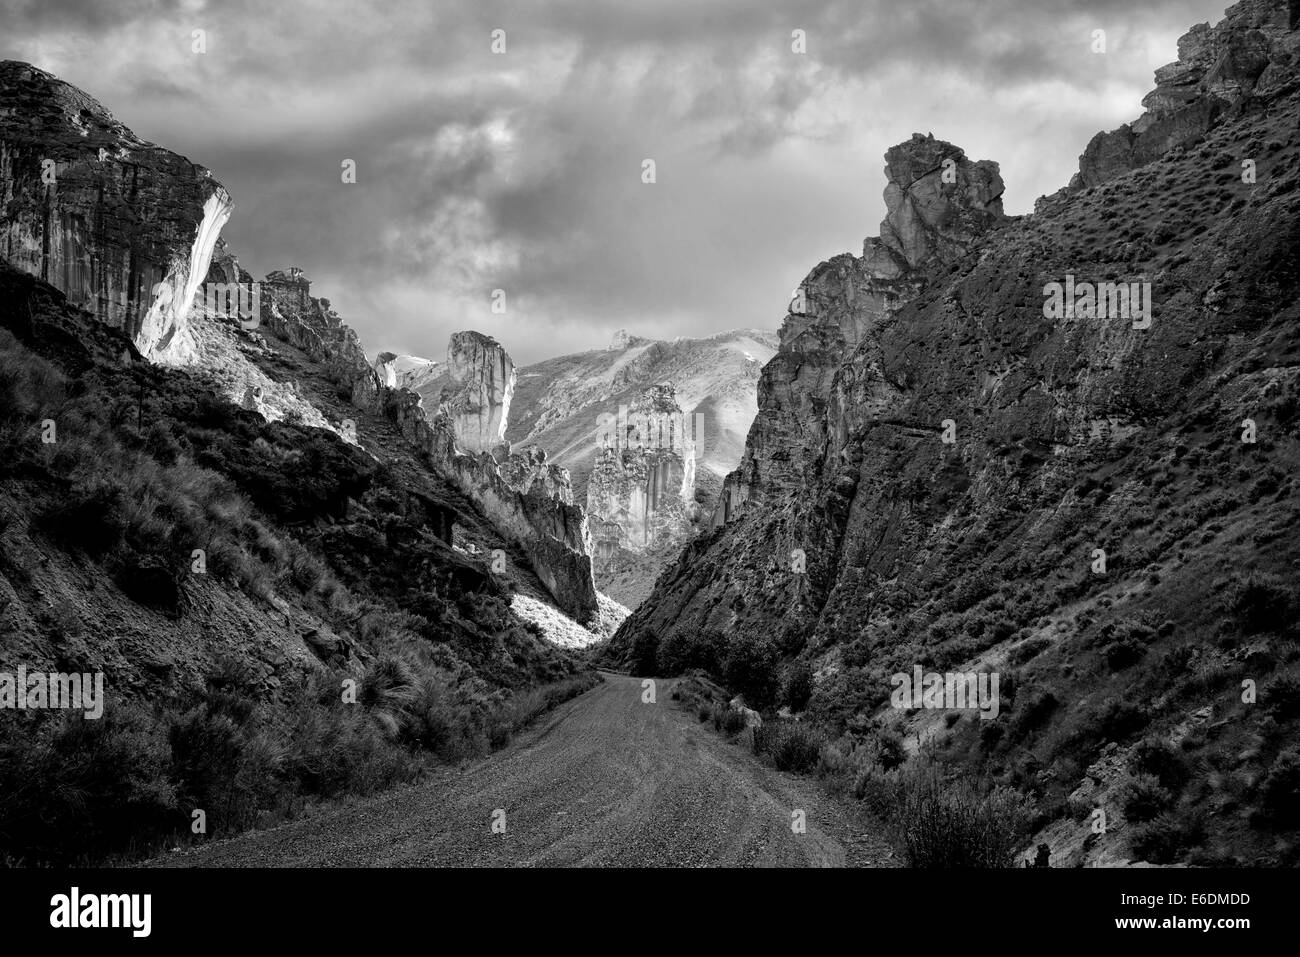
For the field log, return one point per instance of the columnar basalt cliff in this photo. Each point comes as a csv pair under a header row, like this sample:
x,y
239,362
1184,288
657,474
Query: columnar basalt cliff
x,y
946,474
126,229
642,487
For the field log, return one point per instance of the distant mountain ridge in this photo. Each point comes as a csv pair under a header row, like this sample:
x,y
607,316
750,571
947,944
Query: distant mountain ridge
x,y
558,402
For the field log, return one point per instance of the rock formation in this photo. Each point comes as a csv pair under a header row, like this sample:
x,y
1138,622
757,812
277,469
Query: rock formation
x,y
566,405
528,499
937,203
945,474
125,228
131,232
1250,53
642,488
477,400
406,372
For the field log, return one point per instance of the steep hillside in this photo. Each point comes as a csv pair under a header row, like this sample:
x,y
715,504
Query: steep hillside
x,y
293,585
947,472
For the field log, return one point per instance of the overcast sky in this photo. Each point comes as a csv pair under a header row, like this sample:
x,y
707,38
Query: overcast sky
x,y
522,170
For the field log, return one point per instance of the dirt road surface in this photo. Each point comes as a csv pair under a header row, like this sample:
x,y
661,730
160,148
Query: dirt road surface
x,y
603,780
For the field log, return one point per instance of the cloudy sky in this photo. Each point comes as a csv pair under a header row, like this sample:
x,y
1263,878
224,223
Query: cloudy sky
x,y
522,170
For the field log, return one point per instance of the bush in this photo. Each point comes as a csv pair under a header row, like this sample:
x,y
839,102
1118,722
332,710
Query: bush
x,y
1142,797
939,824
728,720
91,517
750,670
1280,793
1154,757
1166,837
792,745
798,687
1118,720
1260,603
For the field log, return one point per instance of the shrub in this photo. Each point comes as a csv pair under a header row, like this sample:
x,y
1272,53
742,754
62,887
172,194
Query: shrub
x,y
1157,758
1142,797
91,517
750,670
798,686
1260,603
1164,838
728,720
1280,792
792,745
939,824
1118,720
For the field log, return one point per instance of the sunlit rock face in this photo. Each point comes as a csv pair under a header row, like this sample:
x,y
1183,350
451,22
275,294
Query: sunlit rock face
x,y
477,398
125,228
406,372
642,486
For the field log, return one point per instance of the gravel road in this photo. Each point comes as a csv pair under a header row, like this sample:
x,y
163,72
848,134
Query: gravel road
x,y
603,780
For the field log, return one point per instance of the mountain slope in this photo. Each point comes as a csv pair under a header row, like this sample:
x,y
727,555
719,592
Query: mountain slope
x,y
949,464
558,402
283,574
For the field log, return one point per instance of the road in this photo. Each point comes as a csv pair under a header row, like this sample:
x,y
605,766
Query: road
x,y
603,780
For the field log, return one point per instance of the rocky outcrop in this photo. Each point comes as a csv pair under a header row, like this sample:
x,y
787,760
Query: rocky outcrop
x,y
948,475
477,398
1249,54
551,531
567,405
642,487
529,500
528,471
937,202
406,372
125,228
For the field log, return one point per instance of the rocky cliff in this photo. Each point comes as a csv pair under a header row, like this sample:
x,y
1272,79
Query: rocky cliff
x,y
937,202
567,405
125,228
642,488
1099,503
477,396
528,499
1220,70
131,232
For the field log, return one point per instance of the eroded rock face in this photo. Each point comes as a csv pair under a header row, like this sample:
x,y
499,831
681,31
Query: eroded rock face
x,y
529,472
933,477
125,228
406,372
551,531
527,498
642,486
1247,54
937,203
478,398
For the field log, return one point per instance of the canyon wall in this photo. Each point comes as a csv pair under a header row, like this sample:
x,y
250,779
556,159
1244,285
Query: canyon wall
x,y
124,228
131,233
642,486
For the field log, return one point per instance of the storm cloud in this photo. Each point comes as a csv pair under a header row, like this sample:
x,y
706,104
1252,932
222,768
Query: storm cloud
x,y
522,170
